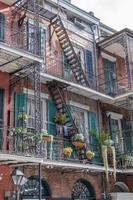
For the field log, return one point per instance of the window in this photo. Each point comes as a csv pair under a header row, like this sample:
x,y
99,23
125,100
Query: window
x,y
2,26
31,112
35,38
80,116
116,130
110,77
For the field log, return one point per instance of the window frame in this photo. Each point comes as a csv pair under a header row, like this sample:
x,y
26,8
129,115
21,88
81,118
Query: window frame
x,y
44,98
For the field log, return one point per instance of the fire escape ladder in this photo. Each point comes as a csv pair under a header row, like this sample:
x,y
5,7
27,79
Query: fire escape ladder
x,y
57,94
69,51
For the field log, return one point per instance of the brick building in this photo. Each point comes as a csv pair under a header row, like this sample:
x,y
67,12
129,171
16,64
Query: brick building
x,y
64,72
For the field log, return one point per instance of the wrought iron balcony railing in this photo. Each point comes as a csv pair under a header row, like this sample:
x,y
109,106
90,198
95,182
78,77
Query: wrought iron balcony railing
x,y
23,39
22,143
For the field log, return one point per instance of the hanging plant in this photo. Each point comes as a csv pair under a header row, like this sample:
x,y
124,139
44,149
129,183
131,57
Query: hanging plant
x,y
78,141
23,117
67,151
60,119
90,155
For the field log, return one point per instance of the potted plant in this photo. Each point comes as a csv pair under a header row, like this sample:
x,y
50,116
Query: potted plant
x,y
107,149
45,137
67,151
125,161
90,155
60,119
23,117
78,141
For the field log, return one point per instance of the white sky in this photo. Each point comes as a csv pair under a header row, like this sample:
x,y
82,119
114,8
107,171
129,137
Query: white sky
x,y
117,14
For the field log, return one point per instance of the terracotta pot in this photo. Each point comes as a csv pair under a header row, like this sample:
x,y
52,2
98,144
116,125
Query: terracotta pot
x,y
68,154
78,144
47,138
89,156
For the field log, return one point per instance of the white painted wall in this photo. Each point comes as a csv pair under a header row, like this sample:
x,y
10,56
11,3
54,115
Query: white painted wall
x,y
122,196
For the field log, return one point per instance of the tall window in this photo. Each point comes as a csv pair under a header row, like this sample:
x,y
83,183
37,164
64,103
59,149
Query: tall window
x,y
110,77
31,112
2,27
35,38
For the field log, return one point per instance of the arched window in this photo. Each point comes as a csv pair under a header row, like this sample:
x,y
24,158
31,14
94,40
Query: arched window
x,y
2,26
120,187
30,190
82,189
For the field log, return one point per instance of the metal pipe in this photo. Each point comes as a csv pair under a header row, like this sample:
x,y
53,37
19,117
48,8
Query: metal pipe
x,y
40,183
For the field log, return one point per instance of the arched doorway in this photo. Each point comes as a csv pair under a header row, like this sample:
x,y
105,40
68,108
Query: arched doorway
x,y
83,190
120,187
30,190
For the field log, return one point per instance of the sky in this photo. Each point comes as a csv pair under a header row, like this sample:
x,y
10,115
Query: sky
x,y
117,14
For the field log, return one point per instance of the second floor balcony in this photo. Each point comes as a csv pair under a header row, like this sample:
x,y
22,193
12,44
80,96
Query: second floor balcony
x,y
115,63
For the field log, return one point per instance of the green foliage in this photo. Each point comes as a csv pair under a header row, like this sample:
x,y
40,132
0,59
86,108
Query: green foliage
x,y
23,116
78,138
100,138
60,119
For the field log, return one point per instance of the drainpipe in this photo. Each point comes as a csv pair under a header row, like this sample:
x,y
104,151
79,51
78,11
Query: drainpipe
x,y
40,183
95,54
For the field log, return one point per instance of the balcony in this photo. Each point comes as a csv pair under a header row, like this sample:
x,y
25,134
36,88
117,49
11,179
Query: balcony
x,y
115,63
29,146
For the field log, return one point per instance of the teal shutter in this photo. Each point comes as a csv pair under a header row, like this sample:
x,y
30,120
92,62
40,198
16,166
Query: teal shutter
x,y
19,106
89,66
93,127
127,134
110,76
51,114
2,26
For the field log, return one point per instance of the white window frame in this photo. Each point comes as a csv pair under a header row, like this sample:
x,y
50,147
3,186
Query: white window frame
x,y
85,108
118,117
44,98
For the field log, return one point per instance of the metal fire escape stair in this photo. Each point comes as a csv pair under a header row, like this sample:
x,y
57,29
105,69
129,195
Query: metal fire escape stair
x,y
57,93
69,51
62,36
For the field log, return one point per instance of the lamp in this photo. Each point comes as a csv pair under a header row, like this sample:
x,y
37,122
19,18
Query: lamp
x,y
18,179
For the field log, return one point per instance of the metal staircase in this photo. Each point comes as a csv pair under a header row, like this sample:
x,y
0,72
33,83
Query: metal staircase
x,y
68,50
57,93
62,36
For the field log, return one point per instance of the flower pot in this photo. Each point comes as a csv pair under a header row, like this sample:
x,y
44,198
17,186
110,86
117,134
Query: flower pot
x,y
47,138
67,151
109,142
90,155
78,144
68,154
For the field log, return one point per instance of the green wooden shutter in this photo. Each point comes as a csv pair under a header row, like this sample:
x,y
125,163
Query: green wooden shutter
x,y
51,114
93,126
89,66
110,76
19,106
2,26
127,134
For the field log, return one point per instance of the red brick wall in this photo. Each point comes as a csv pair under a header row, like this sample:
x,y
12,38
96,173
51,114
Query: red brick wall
x,y
61,182
4,84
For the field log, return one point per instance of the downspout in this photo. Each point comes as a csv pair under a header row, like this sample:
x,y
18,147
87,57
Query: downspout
x,y
95,55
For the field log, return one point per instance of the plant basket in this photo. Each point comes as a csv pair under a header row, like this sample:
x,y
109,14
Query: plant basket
x,y
90,155
67,151
47,138
78,144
